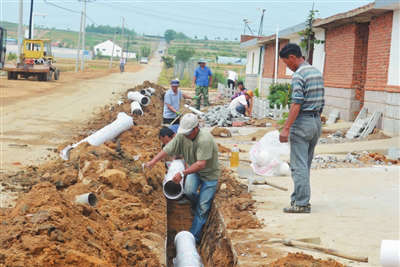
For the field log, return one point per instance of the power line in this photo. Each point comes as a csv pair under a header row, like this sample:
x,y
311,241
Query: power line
x,y
71,11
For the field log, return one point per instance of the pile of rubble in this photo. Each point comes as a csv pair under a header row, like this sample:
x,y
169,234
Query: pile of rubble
x,y
364,158
223,116
337,137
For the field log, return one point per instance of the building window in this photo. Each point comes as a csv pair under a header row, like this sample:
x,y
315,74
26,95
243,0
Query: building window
x,y
97,49
103,49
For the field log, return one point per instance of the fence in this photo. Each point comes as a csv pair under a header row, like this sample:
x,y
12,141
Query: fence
x,y
261,109
182,68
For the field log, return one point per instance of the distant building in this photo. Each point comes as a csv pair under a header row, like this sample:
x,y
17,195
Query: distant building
x,y
11,41
106,48
232,60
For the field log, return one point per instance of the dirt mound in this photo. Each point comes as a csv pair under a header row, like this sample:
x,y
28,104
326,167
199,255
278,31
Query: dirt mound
x,y
303,260
376,156
217,131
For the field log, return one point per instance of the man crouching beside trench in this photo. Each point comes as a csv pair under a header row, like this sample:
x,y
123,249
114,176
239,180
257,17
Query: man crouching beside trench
x,y
200,151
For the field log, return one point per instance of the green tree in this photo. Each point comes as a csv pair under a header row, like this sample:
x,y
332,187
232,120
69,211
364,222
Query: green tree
x,y
169,35
145,51
99,54
168,62
205,37
195,37
308,35
184,54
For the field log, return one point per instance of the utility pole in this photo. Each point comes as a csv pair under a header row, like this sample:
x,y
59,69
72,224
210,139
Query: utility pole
x,y
112,52
122,39
79,43
21,6
83,36
127,48
30,20
261,23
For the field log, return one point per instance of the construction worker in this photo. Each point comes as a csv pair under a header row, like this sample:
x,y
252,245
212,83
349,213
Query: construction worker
x,y
243,104
303,125
241,90
200,151
232,78
171,103
203,79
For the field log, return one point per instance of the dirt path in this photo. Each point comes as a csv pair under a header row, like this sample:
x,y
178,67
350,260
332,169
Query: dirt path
x,y
36,117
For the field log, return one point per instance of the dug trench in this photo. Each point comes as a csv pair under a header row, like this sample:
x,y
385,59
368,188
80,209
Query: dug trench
x,y
133,223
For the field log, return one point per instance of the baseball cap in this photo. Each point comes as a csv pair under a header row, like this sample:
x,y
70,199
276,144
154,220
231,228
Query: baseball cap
x,y
202,60
175,83
188,122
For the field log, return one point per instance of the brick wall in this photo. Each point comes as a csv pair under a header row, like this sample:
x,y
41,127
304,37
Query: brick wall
x,y
281,64
269,60
244,38
360,61
340,53
380,31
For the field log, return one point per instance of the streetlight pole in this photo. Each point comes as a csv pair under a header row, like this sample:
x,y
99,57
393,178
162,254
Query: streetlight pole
x,y
127,48
83,36
112,52
122,40
32,27
21,5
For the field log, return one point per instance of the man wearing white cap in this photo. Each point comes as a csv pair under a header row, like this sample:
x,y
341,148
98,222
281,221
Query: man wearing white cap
x,y
171,103
200,151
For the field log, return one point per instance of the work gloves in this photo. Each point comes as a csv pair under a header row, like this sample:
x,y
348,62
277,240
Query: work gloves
x,y
195,97
178,113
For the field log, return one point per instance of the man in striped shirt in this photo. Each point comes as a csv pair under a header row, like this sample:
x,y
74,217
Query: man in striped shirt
x,y
303,125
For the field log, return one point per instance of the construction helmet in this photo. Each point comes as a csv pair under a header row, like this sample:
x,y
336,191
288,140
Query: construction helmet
x,y
249,93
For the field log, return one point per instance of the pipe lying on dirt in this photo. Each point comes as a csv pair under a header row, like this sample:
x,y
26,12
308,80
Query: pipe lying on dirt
x,y
119,102
196,111
136,108
136,96
87,199
170,188
186,253
151,90
145,92
390,253
109,132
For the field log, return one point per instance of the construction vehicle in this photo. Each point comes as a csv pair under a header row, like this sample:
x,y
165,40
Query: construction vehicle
x,y
36,59
3,50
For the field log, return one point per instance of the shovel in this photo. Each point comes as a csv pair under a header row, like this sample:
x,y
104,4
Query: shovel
x,y
296,243
310,240
177,117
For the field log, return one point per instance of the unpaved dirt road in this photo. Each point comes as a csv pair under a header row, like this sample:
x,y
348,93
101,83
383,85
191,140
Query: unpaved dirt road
x,y
36,117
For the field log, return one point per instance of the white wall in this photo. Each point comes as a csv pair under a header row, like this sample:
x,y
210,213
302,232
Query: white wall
x,y
252,67
106,48
319,50
394,70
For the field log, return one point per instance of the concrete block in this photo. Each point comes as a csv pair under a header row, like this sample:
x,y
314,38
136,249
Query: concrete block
x,y
375,96
237,123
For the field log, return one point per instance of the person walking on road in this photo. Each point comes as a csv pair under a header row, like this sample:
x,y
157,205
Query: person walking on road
x,y
200,151
303,125
203,79
232,78
171,103
122,64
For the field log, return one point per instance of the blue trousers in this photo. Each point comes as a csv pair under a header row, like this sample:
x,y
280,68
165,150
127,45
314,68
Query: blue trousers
x,y
303,138
201,201
241,109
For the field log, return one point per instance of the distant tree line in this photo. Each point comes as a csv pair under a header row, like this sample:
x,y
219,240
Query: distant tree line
x,y
109,30
170,35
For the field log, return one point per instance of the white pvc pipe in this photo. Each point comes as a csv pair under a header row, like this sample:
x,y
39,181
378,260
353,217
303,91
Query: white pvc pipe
x,y
151,90
120,102
87,199
186,253
109,132
136,108
390,253
136,96
196,111
170,188
145,92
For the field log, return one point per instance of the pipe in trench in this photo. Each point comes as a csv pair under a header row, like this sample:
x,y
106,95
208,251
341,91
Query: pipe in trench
x,y
186,253
151,90
136,96
196,111
145,92
170,188
136,108
88,198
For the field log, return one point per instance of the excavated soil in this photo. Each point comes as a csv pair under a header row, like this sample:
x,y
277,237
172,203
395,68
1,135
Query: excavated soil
x,y
303,260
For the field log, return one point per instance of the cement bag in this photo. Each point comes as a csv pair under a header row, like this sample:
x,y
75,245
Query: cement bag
x,y
265,156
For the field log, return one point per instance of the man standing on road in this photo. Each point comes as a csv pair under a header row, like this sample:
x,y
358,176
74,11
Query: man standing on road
x,y
171,103
232,78
200,151
303,125
203,79
122,64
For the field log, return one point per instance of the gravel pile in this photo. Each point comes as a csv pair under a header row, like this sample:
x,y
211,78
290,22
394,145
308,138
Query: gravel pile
x,y
222,116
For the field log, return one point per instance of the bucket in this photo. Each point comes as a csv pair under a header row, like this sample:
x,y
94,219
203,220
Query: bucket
x,y
136,108
88,198
109,132
136,96
390,253
170,188
186,253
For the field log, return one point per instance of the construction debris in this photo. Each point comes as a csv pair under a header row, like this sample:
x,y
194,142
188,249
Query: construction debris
x,y
223,116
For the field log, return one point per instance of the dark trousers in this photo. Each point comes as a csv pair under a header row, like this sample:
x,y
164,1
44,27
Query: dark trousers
x,y
168,121
231,82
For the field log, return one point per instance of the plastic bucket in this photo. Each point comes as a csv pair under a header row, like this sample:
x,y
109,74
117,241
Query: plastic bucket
x,y
186,253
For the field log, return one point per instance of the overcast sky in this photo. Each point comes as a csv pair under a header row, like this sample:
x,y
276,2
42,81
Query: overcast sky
x,y
213,19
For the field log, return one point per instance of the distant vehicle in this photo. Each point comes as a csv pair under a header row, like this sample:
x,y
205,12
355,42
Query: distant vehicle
x,y
160,51
144,60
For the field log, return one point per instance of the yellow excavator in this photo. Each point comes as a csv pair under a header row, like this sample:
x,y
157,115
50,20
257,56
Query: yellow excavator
x,y
36,59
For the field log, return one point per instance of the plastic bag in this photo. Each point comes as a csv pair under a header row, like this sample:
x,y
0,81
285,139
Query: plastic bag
x,y
265,156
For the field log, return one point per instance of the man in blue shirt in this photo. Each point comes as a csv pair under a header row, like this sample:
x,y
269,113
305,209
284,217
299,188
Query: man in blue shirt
x,y
203,79
171,103
303,125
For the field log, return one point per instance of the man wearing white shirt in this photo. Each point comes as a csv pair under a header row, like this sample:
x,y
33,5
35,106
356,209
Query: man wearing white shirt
x,y
232,78
242,103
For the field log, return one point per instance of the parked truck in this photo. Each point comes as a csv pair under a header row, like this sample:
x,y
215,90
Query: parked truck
x,y
36,59
3,50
